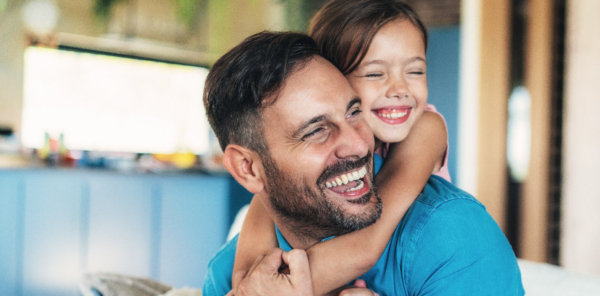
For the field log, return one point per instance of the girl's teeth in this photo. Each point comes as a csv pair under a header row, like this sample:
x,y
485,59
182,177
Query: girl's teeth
x,y
393,115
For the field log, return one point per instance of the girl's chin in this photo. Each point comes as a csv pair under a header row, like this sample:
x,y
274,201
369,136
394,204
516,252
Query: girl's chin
x,y
385,133
389,138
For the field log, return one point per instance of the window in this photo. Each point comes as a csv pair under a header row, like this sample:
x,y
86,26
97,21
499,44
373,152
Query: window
x,y
102,102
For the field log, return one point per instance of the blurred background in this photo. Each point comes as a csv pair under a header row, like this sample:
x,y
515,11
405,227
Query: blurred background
x,y
107,163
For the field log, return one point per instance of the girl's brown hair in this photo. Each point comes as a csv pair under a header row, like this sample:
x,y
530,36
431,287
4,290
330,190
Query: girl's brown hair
x,y
344,29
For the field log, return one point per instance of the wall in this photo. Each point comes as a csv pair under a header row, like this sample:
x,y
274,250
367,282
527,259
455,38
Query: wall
x,y
491,91
11,68
59,224
443,54
580,238
540,36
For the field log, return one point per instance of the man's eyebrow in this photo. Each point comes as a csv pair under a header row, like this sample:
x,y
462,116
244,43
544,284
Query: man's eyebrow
x,y
353,102
308,123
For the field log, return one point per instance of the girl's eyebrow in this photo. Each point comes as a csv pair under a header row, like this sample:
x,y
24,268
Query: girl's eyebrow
x,y
371,63
417,59
380,62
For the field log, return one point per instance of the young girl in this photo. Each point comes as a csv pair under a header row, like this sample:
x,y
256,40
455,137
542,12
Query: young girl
x,y
379,45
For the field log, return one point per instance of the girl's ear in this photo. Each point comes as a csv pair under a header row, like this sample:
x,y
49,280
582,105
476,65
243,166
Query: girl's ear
x,y
245,166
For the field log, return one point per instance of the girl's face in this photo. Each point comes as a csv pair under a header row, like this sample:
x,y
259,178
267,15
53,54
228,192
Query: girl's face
x,y
392,82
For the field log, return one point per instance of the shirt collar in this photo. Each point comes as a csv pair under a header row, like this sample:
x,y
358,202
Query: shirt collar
x,y
283,243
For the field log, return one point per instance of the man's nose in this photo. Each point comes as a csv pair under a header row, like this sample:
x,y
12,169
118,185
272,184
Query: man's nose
x,y
354,141
397,87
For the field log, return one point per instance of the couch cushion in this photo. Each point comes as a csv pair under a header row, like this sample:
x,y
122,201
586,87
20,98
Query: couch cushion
x,y
541,279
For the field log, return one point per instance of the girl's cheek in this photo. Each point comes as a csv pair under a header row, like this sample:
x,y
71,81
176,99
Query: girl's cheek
x,y
368,93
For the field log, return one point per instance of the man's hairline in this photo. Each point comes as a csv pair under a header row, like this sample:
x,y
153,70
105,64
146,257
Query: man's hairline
x,y
270,100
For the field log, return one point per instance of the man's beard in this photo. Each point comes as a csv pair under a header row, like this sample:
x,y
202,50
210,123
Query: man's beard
x,y
308,212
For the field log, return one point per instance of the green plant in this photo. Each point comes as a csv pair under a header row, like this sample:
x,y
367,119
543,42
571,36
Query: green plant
x,y
3,5
186,11
102,9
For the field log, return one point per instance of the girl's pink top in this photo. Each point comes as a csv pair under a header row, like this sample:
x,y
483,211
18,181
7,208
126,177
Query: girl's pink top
x,y
443,172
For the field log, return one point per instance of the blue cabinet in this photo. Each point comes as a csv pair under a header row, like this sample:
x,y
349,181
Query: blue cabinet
x,y
56,225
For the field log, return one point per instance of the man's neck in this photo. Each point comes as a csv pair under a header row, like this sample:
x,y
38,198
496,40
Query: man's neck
x,y
292,234
295,241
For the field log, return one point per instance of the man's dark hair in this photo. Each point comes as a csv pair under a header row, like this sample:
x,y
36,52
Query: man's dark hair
x,y
247,79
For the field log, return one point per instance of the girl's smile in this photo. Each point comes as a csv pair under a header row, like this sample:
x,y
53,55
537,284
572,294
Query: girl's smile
x,y
393,114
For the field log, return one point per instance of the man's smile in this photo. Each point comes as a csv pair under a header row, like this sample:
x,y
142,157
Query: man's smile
x,y
349,184
343,179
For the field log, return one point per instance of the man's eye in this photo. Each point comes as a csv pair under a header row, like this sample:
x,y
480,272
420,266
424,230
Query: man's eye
x,y
355,112
313,133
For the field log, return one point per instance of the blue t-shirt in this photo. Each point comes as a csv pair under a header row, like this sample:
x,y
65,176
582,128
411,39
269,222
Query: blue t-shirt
x,y
446,244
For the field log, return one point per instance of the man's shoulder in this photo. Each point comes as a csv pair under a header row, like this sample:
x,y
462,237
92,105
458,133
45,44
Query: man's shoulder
x,y
439,191
449,241
220,269
443,210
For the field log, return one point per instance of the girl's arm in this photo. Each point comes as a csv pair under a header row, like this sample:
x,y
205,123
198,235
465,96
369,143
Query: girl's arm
x,y
405,171
338,261
256,238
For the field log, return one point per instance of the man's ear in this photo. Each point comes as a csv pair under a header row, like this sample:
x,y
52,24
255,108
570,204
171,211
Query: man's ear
x,y
245,166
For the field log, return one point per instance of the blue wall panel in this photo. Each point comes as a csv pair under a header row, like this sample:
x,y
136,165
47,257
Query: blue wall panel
x,y
11,189
51,235
194,222
120,224
443,57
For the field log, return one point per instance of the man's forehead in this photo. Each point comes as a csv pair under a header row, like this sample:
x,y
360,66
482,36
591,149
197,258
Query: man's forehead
x,y
317,89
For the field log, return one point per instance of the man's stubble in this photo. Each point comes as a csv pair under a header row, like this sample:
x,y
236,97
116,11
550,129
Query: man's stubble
x,y
307,211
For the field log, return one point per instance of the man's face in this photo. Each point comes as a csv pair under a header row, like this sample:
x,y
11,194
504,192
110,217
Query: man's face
x,y
319,172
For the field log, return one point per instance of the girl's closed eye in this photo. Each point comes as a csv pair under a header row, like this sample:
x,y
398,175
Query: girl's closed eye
x,y
374,75
417,72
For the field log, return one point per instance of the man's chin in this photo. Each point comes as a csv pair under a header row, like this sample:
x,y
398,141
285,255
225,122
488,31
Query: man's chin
x,y
359,213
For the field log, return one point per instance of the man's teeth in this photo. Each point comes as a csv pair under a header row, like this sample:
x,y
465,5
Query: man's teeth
x,y
345,178
360,185
393,115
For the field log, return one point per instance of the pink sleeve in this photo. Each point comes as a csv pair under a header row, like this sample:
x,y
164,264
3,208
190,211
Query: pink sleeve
x,y
443,172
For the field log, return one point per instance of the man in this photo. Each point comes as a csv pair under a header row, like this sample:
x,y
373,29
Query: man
x,y
288,122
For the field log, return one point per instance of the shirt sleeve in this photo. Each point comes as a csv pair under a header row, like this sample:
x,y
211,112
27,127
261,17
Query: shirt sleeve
x,y
209,286
220,268
462,251
443,172
377,163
